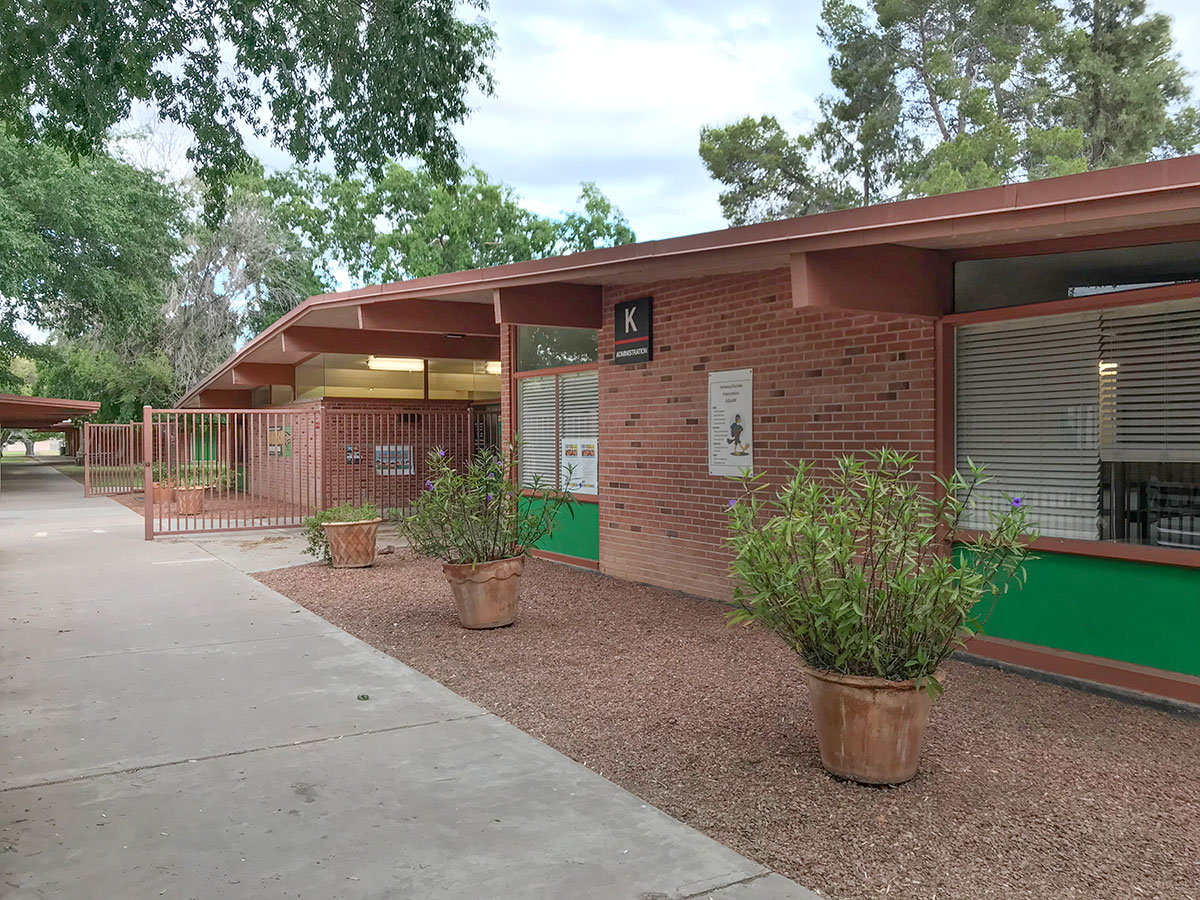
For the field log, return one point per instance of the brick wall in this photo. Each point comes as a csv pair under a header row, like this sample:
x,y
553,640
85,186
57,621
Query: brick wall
x,y
825,383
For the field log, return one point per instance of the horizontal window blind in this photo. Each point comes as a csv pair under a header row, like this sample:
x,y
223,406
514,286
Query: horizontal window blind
x,y
1149,369
579,404
538,454
579,418
1027,408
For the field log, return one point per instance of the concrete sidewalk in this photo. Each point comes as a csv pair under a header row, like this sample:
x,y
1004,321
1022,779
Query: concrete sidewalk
x,y
172,728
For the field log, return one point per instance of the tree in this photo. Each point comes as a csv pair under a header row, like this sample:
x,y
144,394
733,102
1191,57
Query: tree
x,y
1127,90
599,224
85,247
936,96
362,82
767,174
239,275
123,382
862,135
409,224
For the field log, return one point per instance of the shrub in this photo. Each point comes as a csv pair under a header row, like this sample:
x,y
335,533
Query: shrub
x,y
314,534
863,573
204,474
480,514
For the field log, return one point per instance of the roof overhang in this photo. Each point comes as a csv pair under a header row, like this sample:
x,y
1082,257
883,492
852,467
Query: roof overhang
x,y
1149,203
42,413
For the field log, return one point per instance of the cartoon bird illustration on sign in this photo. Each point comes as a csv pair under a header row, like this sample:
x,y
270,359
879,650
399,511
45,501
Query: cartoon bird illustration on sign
x,y
735,437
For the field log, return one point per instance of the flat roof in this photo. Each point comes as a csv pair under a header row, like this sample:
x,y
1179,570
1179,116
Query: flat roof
x,y
42,413
1135,198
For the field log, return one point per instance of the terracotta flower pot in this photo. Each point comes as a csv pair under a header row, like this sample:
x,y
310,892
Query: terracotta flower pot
x,y
191,500
869,729
352,544
486,593
163,493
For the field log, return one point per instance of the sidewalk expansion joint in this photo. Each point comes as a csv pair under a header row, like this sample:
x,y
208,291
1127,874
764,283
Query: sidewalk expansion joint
x,y
721,887
133,770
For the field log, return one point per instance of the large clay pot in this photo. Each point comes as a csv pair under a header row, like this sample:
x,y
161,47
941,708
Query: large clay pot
x,y
486,593
191,500
869,730
163,493
352,544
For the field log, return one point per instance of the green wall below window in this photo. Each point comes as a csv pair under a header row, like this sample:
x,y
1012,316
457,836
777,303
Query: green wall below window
x,y
578,536
1130,611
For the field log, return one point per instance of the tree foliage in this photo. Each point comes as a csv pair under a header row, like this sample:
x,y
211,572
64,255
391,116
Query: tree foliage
x,y
409,224
934,96
362,82
84,246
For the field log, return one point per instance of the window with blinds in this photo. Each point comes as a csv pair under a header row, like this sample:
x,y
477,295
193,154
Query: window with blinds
x,y
536,419
1093,420
557,415
579,431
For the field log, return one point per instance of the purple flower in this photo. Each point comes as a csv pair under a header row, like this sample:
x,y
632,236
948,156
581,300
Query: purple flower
x,y
441,452
1016,502
732,503
489,498
428,485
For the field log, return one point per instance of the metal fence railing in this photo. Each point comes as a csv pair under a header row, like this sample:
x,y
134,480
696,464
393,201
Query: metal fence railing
x,y
112,458
241,469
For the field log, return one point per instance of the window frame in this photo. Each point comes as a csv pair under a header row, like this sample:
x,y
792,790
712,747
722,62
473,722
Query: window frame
x,y
554,372
945,406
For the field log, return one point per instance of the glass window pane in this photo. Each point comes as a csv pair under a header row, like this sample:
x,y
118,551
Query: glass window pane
x,y
545,348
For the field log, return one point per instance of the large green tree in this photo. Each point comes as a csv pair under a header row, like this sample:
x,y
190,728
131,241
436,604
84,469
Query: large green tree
x,y
1126,90
408,223
85,248
933,96
360,81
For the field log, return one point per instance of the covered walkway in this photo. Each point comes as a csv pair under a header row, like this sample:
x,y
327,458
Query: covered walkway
x,y
172,728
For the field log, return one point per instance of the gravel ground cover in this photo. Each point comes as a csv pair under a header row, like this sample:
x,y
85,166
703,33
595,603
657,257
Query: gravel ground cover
x,y
1027,790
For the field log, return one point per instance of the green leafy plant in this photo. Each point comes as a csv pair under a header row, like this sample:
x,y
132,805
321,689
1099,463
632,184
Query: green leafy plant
x,y
203,474
317,543
866,572
479,514
163,473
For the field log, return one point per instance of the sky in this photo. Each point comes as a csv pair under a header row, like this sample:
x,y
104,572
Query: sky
x,y
616,91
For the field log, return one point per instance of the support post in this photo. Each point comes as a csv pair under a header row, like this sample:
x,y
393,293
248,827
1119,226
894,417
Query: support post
x,y
87,459
147,470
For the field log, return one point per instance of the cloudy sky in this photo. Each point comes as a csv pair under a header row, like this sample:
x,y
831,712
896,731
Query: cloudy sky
x,y
616,91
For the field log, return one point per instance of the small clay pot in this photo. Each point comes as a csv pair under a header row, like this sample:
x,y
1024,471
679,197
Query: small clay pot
x,y
486,593
163,493
869,730
352,544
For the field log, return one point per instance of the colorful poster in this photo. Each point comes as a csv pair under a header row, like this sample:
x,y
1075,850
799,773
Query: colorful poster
x,y
394,459
730,422
578,465
279,440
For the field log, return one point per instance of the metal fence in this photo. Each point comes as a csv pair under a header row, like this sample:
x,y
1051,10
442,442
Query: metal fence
x,y
112,459
230,469
239,469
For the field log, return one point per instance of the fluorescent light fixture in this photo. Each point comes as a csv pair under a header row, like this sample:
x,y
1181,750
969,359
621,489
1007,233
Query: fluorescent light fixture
x,y
492,367
395,364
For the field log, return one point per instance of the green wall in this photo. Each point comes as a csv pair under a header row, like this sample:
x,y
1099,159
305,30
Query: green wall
x,y
1131,611
578,536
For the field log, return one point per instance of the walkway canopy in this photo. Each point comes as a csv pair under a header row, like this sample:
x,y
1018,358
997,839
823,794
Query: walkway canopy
x,y
42,413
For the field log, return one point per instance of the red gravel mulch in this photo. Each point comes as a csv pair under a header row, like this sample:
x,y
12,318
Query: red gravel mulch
x,y
1026,790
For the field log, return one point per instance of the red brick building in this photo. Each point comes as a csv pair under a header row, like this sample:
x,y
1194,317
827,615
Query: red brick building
x,y
1050,330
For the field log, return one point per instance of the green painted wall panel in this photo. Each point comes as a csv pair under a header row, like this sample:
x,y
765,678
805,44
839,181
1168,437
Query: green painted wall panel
x,y
578,536
1130,611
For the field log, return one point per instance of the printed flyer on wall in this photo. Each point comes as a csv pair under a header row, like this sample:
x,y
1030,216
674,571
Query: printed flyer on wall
x,y
577,456
730,422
